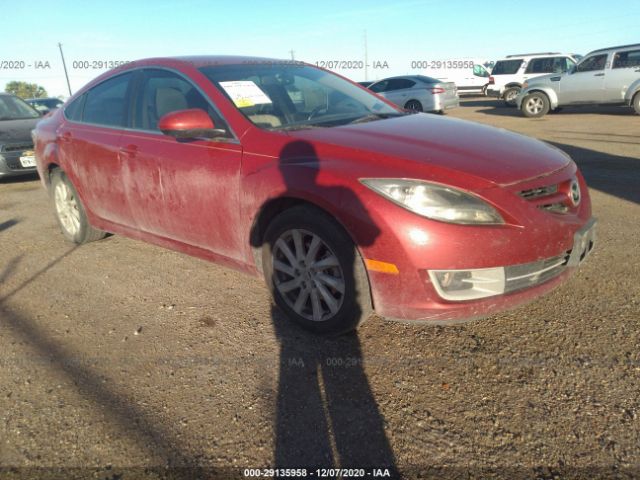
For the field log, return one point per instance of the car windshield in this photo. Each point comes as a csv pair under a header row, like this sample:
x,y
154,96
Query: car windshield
x,y
13,108
506,67
289,97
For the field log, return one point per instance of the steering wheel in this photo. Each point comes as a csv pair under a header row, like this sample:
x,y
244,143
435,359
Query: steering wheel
x,y
316,111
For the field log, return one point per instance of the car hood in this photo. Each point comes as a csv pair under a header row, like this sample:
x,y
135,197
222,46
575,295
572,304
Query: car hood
x,y
17,130
492,154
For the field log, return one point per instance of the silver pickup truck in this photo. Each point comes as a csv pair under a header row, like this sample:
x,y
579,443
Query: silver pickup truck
x,y
609,76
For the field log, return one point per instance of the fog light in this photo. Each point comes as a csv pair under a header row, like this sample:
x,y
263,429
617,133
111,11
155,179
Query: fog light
x,y
461,285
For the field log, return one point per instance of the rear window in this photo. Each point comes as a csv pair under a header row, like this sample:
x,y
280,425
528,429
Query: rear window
x,y
507,67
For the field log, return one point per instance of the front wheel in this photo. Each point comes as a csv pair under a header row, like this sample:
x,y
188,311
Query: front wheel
x,y
314,271
636,103
70,212
510,95
535,105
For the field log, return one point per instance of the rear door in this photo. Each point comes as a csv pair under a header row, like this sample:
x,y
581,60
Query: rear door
x,y
89,147
625,69
396,90
183,190
586,83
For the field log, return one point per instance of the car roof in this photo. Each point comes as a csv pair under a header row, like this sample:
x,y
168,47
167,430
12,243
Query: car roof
x,y
529,55
619,47
408,77
199,61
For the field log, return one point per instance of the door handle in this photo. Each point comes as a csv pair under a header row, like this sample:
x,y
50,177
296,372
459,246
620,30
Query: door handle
x,y
129,151
599,75
65,137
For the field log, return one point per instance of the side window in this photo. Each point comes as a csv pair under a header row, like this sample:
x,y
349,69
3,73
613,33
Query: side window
x,y
626,59
547,65
73,111
480,71
163,92
399,84
379,87
590,64
106,103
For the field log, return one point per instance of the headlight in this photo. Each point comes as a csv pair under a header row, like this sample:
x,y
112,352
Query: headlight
x,y
434,201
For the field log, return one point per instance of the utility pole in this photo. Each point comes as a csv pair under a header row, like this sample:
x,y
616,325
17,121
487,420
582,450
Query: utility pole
x,y
64,65
366,58
292,52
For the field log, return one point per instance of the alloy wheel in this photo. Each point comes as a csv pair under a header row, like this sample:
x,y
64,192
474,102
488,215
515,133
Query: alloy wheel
x,y
534,105
308,275
67,208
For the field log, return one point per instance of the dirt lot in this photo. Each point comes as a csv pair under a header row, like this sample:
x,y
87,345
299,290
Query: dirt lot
x,y
122,360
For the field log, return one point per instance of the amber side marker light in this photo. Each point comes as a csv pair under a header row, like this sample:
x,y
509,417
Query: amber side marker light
x,y
378,266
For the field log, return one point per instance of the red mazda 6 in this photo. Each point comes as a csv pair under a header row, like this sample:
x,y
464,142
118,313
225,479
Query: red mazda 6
x,y
344,203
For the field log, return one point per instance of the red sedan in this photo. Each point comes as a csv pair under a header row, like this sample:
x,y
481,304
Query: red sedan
x,y
343,202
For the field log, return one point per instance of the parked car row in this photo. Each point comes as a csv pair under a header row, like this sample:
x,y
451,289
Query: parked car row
x,y
609,76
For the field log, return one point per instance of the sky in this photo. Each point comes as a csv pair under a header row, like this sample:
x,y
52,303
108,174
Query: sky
x,y
397,33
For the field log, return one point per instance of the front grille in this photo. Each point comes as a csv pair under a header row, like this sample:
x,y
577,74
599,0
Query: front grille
x,y
532,193
528,275
16,147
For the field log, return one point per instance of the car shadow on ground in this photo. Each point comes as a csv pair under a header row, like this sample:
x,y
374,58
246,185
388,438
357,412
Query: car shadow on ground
x,y
326,413
31,177
499,108
612,174
8,224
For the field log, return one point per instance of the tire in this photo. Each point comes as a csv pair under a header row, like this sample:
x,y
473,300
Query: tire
x,y
636,103
535,105
413,105
332,299
70,212
509,96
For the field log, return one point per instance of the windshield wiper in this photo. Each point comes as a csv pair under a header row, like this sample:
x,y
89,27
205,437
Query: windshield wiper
x,y
301,126
370,117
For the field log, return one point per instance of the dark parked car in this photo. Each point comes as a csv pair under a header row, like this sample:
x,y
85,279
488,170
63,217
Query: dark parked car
x,y
343,202
17,119
45,105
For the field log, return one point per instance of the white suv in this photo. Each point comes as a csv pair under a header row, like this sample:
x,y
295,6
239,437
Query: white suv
x,y
510,73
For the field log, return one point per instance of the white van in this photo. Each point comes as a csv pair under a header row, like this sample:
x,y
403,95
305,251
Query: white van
x,y
471,76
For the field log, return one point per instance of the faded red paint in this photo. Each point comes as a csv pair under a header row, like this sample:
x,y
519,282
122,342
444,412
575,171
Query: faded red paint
x,y
202,197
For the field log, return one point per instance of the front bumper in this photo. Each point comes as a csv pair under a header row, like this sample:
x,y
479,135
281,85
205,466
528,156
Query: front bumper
x,y
535,255
10,164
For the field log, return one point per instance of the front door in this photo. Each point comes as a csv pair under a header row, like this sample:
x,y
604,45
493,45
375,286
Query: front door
x,y
585,84
184,190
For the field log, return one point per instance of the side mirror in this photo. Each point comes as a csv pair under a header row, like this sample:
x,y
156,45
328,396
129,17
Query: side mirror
x,y
192,123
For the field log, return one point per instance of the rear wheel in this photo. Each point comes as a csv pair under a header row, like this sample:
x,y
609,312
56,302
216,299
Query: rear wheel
x,y
636,103
413,105
535,105
510,95
70,212
314,271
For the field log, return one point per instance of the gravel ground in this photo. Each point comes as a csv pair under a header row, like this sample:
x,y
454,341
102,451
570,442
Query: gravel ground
x,y
122,360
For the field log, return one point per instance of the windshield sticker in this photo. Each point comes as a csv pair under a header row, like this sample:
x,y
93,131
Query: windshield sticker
x,y
245,93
